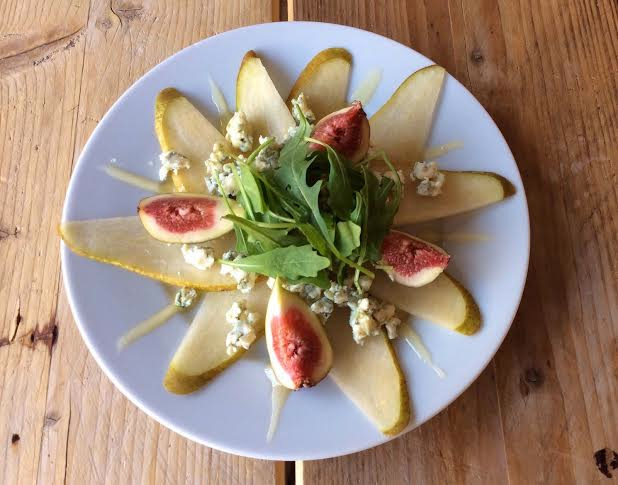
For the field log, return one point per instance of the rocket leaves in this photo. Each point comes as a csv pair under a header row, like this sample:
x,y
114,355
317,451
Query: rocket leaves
x,y
312,214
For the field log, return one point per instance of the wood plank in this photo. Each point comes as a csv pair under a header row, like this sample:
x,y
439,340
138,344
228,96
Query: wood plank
x,y
26,25
63,421
39,92
546,73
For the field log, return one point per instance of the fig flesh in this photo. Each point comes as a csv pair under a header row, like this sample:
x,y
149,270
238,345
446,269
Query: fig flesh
x,y
185,218
299,350
415,262
346,131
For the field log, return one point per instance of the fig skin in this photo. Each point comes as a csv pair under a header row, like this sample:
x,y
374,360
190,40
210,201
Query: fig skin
x,y
346,131
299,350
415,262
184,218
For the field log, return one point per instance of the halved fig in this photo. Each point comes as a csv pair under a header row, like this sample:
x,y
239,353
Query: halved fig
x,y
346,130
299,350
415,262
324,81
462,192
185,218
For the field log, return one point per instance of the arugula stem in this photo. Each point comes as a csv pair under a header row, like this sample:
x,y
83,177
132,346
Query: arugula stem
x,y
275,225
280,217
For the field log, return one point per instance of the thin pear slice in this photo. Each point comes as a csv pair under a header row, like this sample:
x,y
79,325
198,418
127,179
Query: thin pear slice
x,y
461,192
180,127
401,127
324,81
369,375
123,241
258,98
202,353
444,301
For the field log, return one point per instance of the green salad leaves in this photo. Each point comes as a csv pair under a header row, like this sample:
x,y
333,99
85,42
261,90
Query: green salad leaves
x,y
314,214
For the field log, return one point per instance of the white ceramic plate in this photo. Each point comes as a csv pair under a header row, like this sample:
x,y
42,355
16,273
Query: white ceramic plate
x,y
232,412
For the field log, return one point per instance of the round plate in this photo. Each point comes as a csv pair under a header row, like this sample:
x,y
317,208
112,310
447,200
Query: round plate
x,y
232,412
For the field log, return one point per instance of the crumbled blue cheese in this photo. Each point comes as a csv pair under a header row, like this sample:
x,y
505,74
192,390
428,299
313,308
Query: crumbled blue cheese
x,y
202,257
368,315
268,157
225,174
172,162
238,132
431,179
244,281
184,297
292,130
322,308
300,105
243,327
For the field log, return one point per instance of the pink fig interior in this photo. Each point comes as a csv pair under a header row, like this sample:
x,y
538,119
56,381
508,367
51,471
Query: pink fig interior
x,y
181,215
296,345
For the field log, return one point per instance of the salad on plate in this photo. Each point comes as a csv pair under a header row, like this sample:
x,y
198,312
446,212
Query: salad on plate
x,y
286,220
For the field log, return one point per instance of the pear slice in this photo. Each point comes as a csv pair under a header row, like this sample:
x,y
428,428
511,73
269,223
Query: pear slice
x,y
123,241
401,127
444,301
461,192
202,353
181,128
324,81
369,374
258,98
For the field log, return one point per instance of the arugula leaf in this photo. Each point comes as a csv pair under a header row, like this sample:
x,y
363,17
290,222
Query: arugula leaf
x,y
321,280
356,216
348,237
250,189
267,238
339,189
279,200
291,262
314,237
382,199
244,199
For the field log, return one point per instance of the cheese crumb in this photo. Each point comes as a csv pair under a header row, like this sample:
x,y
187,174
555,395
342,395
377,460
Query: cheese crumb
x,y
431,179
184,297
300,105
172,162
238,132
243,322
202,257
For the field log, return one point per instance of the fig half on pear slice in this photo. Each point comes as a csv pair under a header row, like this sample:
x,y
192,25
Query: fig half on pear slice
x,y
346,131
299,350
415,262
185,218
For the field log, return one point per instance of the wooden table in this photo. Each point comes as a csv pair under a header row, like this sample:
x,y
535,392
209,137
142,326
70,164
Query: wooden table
x,y
547,71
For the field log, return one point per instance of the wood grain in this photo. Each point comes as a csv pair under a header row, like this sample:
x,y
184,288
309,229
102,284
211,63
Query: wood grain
x,y
26,25
546,72
62,420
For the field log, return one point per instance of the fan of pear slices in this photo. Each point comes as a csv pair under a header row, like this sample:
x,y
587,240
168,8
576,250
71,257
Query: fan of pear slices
x,y
401,128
